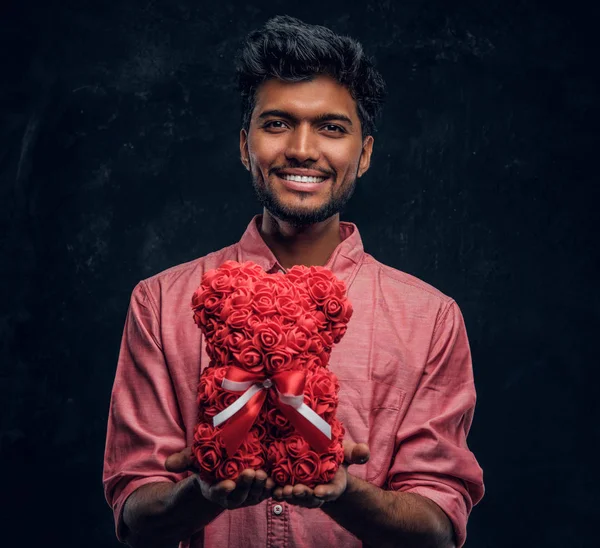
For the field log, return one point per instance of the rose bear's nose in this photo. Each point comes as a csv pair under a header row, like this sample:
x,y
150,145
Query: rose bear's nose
x,y
267,383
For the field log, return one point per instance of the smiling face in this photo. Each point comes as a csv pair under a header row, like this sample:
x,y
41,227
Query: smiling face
x,y
308,128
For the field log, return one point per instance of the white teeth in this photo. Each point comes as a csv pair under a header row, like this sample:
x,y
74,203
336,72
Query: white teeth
x,y
302,179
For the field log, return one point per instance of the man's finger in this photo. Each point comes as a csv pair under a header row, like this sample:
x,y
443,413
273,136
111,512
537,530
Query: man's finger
x,y
242,488
180,462
301,491
220,491
258,486
356,453
332,490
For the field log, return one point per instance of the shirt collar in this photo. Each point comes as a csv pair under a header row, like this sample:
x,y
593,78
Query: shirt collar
x,y
342,262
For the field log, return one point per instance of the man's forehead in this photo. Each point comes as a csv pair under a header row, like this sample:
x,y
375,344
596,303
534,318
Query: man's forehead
x,y
309,97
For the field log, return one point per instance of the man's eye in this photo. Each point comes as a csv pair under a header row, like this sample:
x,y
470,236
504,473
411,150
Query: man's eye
x,y
334,127
269,124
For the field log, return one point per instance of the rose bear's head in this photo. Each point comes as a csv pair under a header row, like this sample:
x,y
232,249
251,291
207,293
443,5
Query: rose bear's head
x,y
271,322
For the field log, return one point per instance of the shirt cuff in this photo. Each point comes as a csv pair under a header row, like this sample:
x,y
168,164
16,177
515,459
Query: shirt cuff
x,y
120,527
453,506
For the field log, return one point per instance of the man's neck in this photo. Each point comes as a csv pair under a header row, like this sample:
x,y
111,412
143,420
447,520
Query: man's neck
x,y
310,245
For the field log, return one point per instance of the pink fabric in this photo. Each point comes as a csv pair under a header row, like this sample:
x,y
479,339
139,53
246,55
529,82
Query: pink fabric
x,y
406,380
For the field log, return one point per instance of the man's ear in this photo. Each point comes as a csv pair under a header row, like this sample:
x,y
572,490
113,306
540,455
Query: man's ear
x,y
365,156
244,155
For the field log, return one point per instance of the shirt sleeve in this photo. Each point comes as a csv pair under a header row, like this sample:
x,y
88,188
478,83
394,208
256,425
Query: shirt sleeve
x,y
144,422
431,457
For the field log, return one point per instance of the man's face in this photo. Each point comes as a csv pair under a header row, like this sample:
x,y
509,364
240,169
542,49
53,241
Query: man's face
x,y
304,128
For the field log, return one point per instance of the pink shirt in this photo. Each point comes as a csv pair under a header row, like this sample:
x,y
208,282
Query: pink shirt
x,y
406,380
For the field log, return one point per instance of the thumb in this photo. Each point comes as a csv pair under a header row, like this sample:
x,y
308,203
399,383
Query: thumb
x,y
180,462
356,453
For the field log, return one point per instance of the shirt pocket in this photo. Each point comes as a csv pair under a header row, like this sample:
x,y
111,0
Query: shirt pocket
x,y
371,412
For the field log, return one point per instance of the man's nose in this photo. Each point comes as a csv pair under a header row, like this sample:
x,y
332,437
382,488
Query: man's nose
x,y
302,144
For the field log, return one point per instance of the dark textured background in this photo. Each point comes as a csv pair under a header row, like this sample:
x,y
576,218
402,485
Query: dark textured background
x,y
119,158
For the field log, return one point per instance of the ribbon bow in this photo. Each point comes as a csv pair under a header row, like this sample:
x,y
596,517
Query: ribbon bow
x,y
242,413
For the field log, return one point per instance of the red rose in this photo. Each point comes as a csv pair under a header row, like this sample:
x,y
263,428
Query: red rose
x,y
305,470
296,446
320,393
282,286
314,362
219,400
252,269
208,451
288,306
252,322
315,345
208,277
268,335
213,302
319,289
278,420
338,330
220,353
220,333
230,468
326,276
321,320
240,299
276,451
260,429
337,430
236,319
281,472
298,339
337,310
231,266
264,303
255,460
327,469
252,452
249,357
308,323
208,327
298,274
204,433
206,386
284,322
221,283
278,360
234,341
326,338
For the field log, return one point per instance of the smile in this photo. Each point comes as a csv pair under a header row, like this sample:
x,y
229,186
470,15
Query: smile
x,y
304,184
303,179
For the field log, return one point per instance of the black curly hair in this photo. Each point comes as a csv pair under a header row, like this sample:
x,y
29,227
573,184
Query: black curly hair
x,y
289,49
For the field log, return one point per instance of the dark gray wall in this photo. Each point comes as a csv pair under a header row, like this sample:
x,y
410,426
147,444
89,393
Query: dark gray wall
x,y
119,158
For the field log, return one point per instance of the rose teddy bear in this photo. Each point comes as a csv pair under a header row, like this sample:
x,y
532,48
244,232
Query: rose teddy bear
x,y
267,399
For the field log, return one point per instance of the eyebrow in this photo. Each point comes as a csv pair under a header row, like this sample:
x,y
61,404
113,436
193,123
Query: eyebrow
x,y
325,117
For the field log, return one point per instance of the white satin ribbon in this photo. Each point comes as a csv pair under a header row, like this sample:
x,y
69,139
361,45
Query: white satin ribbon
x,y
297,402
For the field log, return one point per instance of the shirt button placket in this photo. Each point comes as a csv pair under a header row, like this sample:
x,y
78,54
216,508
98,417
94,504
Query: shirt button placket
x,y
278,518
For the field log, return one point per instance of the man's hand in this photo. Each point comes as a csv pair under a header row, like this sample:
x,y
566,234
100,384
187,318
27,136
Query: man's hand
x,y
302,495
250,488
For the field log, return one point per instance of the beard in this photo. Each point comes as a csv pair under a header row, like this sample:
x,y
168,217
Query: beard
x,y
298,217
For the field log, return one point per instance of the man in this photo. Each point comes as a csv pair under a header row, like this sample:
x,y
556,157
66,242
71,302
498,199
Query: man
x,y
404,365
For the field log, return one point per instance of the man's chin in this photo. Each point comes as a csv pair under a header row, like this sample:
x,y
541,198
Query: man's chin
x,y
300,218
296,217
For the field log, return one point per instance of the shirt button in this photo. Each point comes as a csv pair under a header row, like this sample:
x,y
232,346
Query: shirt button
x,y
277,509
